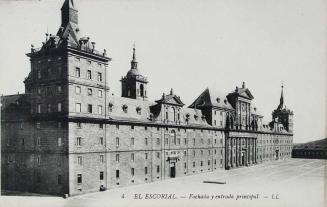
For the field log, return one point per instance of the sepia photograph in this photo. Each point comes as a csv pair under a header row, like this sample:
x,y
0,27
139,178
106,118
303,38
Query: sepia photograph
x,y
163,103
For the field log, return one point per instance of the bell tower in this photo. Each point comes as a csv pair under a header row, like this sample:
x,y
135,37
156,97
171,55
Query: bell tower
x,y
134,85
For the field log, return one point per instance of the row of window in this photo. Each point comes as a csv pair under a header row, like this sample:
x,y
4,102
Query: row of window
x,y
49,91
49,108
38,141
88,74
89,91
78,108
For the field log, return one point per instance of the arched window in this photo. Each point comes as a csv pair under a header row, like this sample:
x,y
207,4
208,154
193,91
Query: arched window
x,y
141,90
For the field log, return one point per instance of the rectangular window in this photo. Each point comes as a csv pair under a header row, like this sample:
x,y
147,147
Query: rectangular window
x,y
100,93
99,76
146,141
158,155
59,179
78,107
38,91
38,109
158,141
193,164
38,159
79,178
132,141
101,140
23,142
59,142
79,125
166,141
80,160
132,157
117,157
101,126
146,156
193,142
185,141
117,173
59,107
201,163
78,90
39,74
89,74
89,91
208,162
78,72
49,108
59,89
117,141
100,109
185,165
38,125
158,169
101,158
79,141
132,171
146,170
38,141
101,175
89,108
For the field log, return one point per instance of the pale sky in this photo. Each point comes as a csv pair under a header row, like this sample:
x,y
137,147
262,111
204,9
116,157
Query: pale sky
x,y
189,45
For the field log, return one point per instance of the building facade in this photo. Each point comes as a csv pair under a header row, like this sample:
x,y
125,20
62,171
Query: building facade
x,y
67,134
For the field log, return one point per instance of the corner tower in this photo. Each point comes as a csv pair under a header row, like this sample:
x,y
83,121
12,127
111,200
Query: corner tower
x,y
282,114
134,85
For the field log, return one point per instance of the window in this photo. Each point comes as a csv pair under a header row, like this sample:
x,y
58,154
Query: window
x,y
78,72
158,169
158,155
146,156
101,158
39,91
78,107
193,153
101,175
117,173
59,107
59,141
185,166
39,74
100,93
99,76
146,141
146,170
89,75
158,141
201,152
117,157
101,140
193,164
132,157
100,109
23,142
79,178
38,159
208,162
38,141
117,141
59,89
132,141
59,179
89,91
89,108
185,141
79,141
201,163
101,126
79,125
49,108
80,160
78,90
132,171
38,109
193,142
38,125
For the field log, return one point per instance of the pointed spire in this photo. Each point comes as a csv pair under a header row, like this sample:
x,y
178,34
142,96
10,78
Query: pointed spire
x,y
134,62
69,13
281,100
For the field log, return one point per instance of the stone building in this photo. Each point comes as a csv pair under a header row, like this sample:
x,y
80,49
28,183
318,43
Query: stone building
x,y
68,135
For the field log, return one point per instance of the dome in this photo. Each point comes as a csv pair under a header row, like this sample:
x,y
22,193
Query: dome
x,y
133,72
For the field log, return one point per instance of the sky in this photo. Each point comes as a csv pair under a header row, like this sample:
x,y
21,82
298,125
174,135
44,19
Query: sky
x,y
190,45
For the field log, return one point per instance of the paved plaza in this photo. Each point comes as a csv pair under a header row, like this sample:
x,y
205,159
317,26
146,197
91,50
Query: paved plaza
x,y
292,182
